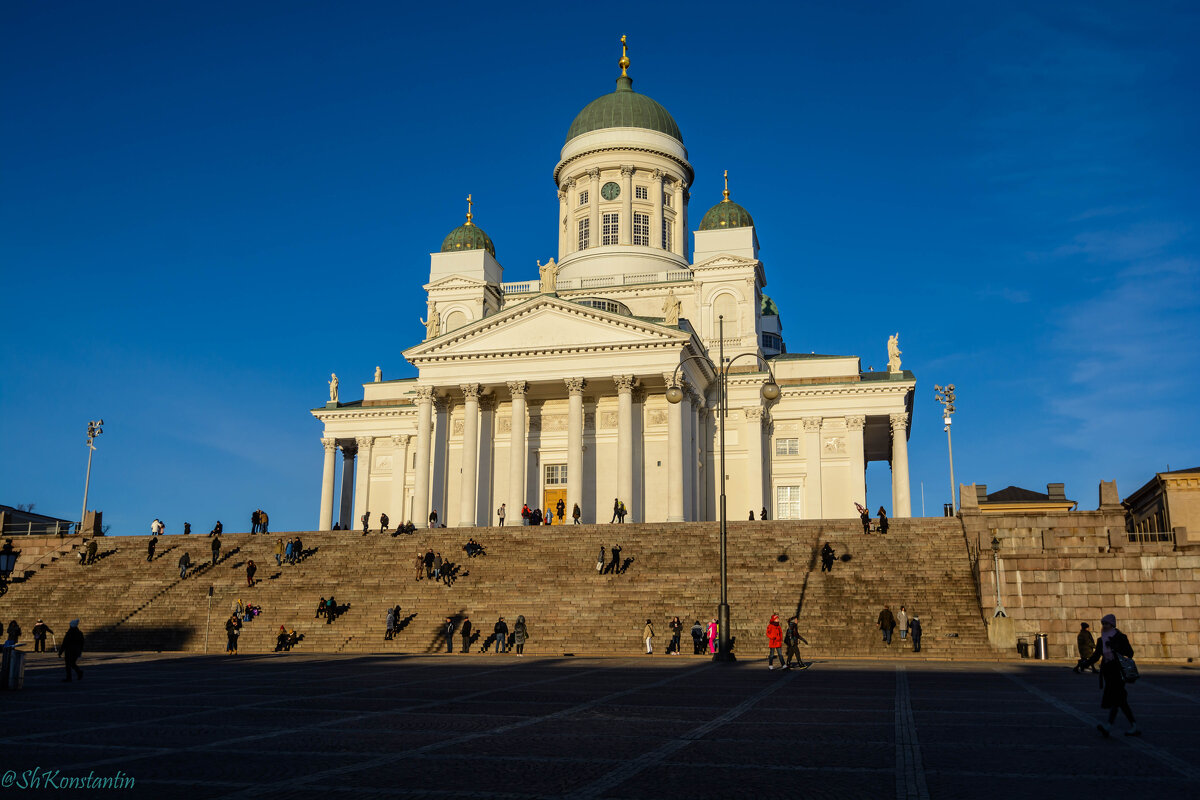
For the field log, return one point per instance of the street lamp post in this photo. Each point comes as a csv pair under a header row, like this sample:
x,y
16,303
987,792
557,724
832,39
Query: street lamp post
x,y
1000,612
94,429
769,391
946,398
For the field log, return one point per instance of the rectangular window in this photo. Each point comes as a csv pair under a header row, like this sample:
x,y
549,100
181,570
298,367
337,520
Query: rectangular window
x,y
556,474
787,447
639,193
641,229
608,229
583,197
585,233
666,199
787,505
666,233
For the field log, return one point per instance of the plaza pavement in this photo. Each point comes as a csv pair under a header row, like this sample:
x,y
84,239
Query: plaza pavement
x,y
498,726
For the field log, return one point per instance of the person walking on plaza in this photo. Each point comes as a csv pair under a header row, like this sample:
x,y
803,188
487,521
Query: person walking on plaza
x,y
433,518
390,623
887,623
279,552
366,520
774,642
448,630
792,640
714,636
1113,643
914,625
902,623
648,635
150,545
697,638
827,558
883,520
185,561
233,628
500,629
500,512
383,523
676,632
520,634
576,514
39,636
465,632
216,549
251,568
71,650
1087,646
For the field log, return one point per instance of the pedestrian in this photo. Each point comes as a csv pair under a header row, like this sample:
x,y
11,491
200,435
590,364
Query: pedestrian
x,y
576,514
616,560
187,528
254,521
155,527
281,640
792,640
321,608
774,642
465,631
14,634
72,649
500,512
39,636
648,635
902,623
289,551
914,626
419,563
1085,643
752,515
827,558
429,564
520,634
383,522
600,561
251,568
216,548
297,551
616,511
150,545
763,515
621,511
331,610
1113,644
390,624
280,550
697,638
185,561
676,632
433,518
865,517
883,520
437,566
714,631
448,630
886,624
561,509
233,628
500,630
526,513
366,517
93,548
262,521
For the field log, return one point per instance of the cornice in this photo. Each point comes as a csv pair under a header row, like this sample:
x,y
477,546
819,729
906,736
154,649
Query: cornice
x,y
365,413
685,167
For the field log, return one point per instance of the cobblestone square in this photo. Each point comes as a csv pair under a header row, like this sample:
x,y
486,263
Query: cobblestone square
x,y
485,726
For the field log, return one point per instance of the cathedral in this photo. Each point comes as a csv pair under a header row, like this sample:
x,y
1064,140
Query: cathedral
x,y
599,379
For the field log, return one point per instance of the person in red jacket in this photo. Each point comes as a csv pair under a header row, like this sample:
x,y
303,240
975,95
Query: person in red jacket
x,y
774,642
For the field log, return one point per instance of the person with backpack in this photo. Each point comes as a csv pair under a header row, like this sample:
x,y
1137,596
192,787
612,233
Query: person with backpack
x,y
774,643
914,627
500,512
39,636
827,558
262,521
697,638
621,512
185,561
1114,646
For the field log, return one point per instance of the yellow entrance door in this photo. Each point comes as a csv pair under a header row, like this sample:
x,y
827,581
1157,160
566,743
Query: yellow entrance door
x,y
552,496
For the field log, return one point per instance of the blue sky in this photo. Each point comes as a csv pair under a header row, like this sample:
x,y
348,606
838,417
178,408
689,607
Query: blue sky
x,y
193,196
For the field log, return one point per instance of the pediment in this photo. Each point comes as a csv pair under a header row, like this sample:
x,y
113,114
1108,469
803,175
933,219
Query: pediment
x,y
547,325
725,261
454,282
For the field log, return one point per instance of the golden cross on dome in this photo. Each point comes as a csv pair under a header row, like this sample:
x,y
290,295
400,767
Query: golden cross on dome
x,y
726,186
469,209
624,62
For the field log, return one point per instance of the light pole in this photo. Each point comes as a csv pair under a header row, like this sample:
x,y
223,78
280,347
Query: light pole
x,y
94,430
1000,612
769,391
946,398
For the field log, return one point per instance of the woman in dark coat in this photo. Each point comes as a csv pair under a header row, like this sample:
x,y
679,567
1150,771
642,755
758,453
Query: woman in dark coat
x,y
1115,697
883,520
233,627
520,634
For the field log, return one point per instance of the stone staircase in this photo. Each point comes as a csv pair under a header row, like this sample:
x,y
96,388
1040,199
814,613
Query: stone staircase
x,y
547,574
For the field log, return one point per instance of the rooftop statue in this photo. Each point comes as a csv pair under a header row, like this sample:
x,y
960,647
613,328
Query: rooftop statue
x,y
548,276
433,327
671,307
378,374
894,352
333,390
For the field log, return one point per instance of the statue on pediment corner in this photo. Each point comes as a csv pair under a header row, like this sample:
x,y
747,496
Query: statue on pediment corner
x,y
671,307
333,388
894,352
433,326
548,276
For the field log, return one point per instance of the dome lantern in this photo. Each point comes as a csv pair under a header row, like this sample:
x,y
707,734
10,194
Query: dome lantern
x,y
624,108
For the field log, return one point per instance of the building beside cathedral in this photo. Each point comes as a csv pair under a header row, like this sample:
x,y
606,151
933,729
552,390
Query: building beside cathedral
x,y
554,387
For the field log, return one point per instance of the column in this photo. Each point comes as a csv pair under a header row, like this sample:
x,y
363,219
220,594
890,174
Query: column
x,y
516,451
469,486
564,222
688,455
624,440
399,476
420,510
347,505
858,462
362,489
487,459
626,227
754,463
439,483
678,246
594,216
900,494
675,456
812,459
656,190
325,522
575,387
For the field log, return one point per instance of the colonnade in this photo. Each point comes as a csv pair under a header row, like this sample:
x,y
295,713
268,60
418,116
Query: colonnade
x,y
659,183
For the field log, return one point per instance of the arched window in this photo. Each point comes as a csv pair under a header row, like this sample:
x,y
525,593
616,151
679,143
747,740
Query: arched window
x,y
611,306
726,305
455,319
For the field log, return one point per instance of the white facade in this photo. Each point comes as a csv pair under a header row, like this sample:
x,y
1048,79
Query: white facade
x,y
556,387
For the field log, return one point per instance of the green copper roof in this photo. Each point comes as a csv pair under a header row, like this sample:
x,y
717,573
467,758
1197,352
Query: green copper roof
x,y
468,237
726,214
768,307
624,108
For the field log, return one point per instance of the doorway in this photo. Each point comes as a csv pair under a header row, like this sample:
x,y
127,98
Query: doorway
x,y
554,489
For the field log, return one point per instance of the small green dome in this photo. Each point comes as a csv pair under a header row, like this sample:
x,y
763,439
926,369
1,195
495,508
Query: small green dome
x,y
624,108
468,236
726,214
768,307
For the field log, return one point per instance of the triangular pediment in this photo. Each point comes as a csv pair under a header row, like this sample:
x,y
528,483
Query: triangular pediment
x,y
454,282
725,261
547,325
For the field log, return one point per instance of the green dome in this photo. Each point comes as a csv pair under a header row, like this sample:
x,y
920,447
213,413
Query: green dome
x,y
768,307
624,108
468,236
726,214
